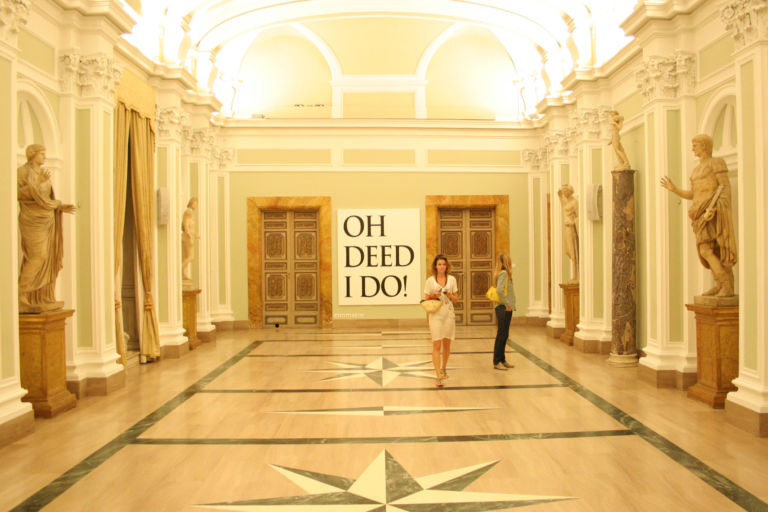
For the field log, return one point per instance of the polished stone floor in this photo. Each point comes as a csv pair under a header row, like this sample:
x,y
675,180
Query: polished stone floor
x,y
332,420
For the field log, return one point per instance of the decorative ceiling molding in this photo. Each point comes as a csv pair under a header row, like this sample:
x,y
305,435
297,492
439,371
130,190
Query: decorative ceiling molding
x,y
747,20
13,15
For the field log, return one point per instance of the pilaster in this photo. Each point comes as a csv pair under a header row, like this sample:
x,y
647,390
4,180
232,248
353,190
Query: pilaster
x,y
747,22
16,417
594,328
88,84
220,293
171,122
673,271
538,295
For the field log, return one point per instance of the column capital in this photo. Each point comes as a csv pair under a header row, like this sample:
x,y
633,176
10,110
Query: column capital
x,y
588,123
667,77
13,14
558,143
90,76
171,123
536,158
221,157
746,20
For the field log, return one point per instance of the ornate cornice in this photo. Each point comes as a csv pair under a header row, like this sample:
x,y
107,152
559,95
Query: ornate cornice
x,y
13,14
94,75
747,20
667,77
171,123
588,124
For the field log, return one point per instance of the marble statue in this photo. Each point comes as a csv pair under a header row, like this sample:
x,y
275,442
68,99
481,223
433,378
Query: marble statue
x,y
711,215
617,121
42,241
570,234
188,237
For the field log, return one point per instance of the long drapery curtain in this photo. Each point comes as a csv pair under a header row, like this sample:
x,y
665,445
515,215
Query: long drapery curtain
x,y
135,137
122,127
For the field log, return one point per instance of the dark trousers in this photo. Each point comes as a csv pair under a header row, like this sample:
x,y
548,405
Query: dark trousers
x,y
503,317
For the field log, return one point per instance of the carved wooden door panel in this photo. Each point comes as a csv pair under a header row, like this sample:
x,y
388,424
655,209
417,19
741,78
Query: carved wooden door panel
x,y
467,239
291,268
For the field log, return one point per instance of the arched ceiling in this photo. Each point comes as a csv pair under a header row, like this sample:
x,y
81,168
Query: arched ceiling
x,y
545,39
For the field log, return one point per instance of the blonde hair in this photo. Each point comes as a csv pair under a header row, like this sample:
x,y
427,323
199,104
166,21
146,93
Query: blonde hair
x,y
504,263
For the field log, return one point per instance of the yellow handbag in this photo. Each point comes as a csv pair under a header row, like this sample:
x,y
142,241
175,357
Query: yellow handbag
x,y
431,305
493,293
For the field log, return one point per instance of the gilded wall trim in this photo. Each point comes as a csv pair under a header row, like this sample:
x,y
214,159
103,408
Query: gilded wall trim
x,y
256,205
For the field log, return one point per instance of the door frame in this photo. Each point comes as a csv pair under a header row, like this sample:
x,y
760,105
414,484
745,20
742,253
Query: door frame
x,y
256,205
501,231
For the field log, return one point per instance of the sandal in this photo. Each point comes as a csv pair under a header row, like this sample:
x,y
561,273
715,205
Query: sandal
x,y
445,374
440,383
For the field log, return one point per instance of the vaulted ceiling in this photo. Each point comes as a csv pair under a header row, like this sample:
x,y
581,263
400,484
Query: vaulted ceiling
x,y
319,58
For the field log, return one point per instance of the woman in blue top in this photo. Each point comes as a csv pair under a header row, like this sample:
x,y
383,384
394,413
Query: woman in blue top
x,y
504,310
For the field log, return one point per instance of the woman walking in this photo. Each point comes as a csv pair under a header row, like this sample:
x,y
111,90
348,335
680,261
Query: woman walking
x,y
442,323
506,290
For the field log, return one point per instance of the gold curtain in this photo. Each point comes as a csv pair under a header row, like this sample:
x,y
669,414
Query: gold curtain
x,y
122,126
142,152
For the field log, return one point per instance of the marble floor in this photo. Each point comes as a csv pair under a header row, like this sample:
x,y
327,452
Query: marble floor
x,y
332,420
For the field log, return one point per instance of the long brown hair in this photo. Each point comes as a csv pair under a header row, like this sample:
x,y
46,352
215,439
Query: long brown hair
x,y
447,265
504,263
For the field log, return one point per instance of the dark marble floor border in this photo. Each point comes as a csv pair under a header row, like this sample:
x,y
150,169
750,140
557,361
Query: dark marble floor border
x,y
380,440
717,481
339,354
53,490
379,390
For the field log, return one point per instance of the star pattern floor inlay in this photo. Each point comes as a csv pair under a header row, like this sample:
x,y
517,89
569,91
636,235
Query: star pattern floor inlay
x,y
382,371
387,486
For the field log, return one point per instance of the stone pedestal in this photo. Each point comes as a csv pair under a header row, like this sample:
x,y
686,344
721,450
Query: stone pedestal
x,y
189,306
43,362
571,305
624,282
717,348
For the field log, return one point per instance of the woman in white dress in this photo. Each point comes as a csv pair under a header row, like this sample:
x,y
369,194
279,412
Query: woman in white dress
x,y
442,323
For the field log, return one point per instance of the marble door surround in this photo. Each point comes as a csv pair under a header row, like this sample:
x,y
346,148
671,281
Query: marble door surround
x,y
256,205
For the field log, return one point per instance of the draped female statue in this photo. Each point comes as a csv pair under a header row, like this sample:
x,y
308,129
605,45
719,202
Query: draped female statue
x,y
42,242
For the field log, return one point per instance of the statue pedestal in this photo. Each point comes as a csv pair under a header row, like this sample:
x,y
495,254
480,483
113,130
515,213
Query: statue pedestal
x,y
717,348
43,362
189,309
571,306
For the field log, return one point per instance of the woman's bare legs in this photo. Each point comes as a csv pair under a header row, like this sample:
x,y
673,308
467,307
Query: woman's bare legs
x,y
446,354
436,361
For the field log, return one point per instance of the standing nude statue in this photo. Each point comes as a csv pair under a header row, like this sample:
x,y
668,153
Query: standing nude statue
x,y
42,241
711,215
188,237
622,162
570,234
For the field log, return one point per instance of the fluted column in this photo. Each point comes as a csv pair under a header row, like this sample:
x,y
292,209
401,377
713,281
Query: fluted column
x,y
171,120
87,103
16,417
747,22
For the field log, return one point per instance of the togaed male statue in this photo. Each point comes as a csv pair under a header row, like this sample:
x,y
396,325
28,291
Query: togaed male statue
x,y
42,242
711,215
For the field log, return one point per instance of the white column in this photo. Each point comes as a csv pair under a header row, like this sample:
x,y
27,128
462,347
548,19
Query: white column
x,y
673,271
89,83
748,24
170,124
220,295
16,417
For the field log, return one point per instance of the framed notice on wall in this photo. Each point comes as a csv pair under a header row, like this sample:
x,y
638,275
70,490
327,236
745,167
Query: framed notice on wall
x,y
379,259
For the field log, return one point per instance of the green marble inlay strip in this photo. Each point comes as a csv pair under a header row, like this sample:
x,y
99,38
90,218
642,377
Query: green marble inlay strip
x,y
379,390
53,490
381,440
339,354
720,483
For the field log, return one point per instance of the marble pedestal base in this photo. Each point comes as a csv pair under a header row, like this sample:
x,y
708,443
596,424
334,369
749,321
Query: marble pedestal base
x,y
717,348
189,309
571,306
43,362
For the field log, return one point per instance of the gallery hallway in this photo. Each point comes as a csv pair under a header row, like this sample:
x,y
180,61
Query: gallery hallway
x,y
346,420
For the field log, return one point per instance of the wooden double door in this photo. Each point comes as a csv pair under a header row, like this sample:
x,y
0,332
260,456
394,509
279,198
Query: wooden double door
x,y
467,239
291,268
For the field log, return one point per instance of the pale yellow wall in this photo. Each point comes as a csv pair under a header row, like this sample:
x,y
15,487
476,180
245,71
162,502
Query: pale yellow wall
x,y
378,46
379,105
284,75
716,56
630,106
470,77
37,52
376,190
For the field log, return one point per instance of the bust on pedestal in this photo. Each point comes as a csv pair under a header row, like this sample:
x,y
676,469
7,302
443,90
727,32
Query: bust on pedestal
x,y
41,317
717,309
